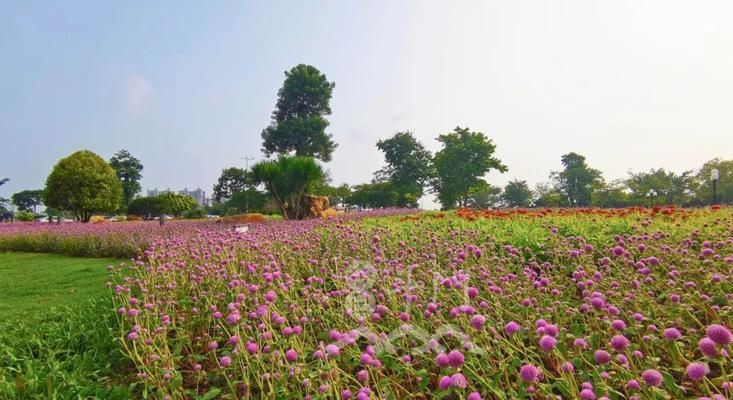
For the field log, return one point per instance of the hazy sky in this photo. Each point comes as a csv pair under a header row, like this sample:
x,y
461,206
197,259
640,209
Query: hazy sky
x,y
188,87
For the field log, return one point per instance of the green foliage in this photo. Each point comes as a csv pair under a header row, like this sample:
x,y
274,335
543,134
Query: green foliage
x,y
25,216
176,204
84,184
231,181
298,122
517,194
248,200
611,195
374,195
703,187
466,157
337,195
288,179
55,321
146,207
129,171
659,187
575,183
196,213
485,196
27,200
409,167
546,196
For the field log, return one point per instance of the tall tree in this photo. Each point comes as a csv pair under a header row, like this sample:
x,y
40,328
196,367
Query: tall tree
x,y
83,183
660,187
546,195
485,196
612,194
231,181
129,171
299,121
27,200
703,187
374,195
288,179
517,194
466,157
576,181
408,167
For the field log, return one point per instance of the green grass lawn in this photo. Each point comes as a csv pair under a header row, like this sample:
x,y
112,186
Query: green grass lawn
x,y
58,329
32,283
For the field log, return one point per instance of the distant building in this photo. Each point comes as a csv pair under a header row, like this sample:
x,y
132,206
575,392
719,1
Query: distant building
x,y
198,194
156,192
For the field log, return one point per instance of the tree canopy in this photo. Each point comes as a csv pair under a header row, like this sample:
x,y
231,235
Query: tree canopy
x,y
466,157
409,167
299,121
129,171
231,181
374,195
166,203
288,179
27,200
576,181
517,194
84,184
703,187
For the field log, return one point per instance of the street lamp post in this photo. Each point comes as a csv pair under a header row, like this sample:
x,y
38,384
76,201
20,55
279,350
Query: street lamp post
x,y
651,195
246,168
714,177
246,162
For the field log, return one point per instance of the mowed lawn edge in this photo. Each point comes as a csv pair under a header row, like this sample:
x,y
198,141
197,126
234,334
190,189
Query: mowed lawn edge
x,y
33,283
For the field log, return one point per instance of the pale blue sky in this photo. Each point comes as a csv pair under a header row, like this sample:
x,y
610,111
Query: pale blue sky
x,y
187,87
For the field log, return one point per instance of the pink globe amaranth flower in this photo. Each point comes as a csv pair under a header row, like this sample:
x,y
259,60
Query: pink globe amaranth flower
x,y
602,357
672,334
580,342
597,302
346,394
251,347
696,371
442,360
620,342
233,340
459,381
633,384
511,327
529,373
547,343
332,350
455,358
618,324
478,321
587,394
474,396
719,334
445,383
291,355
707,347
652,377
552,330
568,367
225,361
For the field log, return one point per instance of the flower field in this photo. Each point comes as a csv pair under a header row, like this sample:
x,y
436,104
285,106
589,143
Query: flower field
x,y
119,240
589,304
